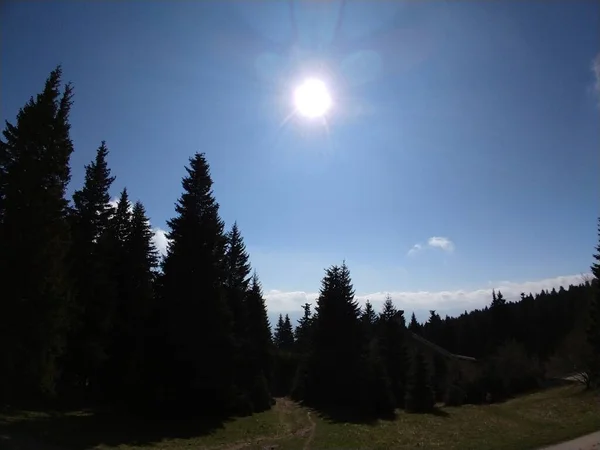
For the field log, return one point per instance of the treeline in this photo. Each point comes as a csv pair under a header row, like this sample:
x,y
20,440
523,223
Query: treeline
x,y
89,313
511,347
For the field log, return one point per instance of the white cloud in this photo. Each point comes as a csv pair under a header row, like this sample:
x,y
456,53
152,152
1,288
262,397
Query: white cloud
x,y
280,301
445,302
160,240
442,243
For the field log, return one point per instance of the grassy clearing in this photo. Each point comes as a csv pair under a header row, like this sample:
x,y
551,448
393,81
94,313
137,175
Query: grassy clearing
x,y
524,423
527,422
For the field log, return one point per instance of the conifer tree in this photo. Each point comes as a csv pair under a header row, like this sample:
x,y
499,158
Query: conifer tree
x,y
302,333
433,328
199,348
391,332
368,317
500,324
92,259
135,272
237,279
285,361
284,334
120,223
419,394
259,329
34,238
118,356
414,326
277,337
303,348
338,343
338,372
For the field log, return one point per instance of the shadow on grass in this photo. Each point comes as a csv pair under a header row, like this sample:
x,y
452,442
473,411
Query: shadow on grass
x,y
342,415
439,413
85,429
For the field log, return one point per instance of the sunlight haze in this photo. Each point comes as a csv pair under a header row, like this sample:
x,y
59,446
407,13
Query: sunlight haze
x,y
312,99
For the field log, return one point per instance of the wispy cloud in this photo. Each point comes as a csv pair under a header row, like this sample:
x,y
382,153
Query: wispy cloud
x,y
445,302
439,242
415,249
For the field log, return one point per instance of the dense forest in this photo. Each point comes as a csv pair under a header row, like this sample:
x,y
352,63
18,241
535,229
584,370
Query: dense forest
x,y
90,314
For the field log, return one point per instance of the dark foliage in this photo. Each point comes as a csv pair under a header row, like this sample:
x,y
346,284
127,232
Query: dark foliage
x,y
391,330
419,394
198,361
135,275
259,332
92,255
339,372
284,334
285,358
414,326
251,346
34,240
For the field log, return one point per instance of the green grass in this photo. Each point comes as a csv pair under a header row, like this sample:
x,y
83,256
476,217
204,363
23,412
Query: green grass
x,y
524,423
527,422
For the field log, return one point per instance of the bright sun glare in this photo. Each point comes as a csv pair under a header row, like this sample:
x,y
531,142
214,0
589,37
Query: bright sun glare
x,y
312,98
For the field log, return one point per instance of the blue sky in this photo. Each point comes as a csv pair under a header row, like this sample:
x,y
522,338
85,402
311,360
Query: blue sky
x,y
461,152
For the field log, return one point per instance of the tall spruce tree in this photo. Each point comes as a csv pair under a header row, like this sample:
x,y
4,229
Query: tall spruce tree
x,y
259,329
135,272
433,328
237,279
368,317
253,393
391,332
92,258
199,349
500,324
419,394
338,372
34,238
285,360
117,370
380,398
303,348
302,333
414,326
284,334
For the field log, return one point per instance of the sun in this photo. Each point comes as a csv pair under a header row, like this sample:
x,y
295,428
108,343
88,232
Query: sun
x,y
312,99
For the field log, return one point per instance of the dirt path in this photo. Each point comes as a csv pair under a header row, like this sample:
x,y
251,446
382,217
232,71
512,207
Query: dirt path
x,y
588,442
313,429
284,407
